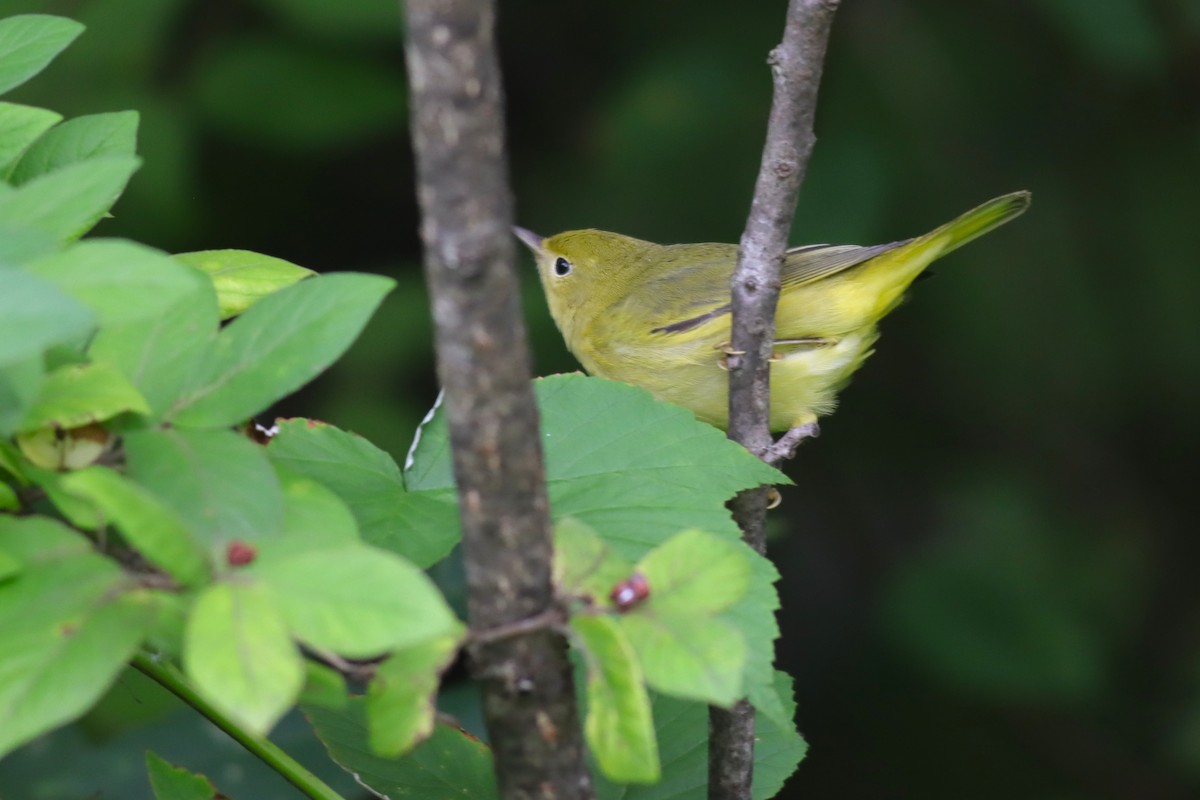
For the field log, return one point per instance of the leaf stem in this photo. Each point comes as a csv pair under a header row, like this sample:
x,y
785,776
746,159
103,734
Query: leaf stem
x,y
170,678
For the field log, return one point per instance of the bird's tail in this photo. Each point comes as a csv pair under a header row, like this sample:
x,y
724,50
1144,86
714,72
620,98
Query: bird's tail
x,y
976,223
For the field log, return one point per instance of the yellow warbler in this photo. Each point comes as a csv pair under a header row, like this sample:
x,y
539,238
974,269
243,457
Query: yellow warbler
x,y
657,316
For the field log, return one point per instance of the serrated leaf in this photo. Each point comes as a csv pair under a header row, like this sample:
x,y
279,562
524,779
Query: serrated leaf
x,y
687,656
219,483
634,468
76,140
277,346
146,522
35,314
238,653
619,727
69,628
450,765
696,573
122,282
28,42
754,616
400,698
422,527
78,394
242,277
356,601
20,126
175,783
69,201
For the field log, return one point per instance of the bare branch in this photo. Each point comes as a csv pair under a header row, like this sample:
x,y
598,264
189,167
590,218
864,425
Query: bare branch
x,y
483,364
796,71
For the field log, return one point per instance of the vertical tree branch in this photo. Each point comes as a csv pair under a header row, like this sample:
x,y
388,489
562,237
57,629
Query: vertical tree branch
x,y
796,72
483,364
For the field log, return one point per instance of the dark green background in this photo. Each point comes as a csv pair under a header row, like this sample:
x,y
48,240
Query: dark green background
x,y
989,569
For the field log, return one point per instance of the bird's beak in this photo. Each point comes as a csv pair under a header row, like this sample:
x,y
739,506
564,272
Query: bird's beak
x,y
530,239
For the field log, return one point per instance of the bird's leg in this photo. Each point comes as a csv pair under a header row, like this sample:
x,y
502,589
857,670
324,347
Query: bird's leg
x,y
785,447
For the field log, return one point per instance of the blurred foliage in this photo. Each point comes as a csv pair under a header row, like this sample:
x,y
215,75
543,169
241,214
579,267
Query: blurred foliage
x,y
989,576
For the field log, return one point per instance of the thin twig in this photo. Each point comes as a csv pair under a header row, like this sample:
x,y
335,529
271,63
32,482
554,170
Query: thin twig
x,y
171,679
484,367
796,72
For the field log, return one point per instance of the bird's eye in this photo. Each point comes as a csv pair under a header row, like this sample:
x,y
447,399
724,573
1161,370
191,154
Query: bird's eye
x,y
562,267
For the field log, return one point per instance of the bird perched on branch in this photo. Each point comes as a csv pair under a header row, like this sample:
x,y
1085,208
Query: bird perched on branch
x,y
658,316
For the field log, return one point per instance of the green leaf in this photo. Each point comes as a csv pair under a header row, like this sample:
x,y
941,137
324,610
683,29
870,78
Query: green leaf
x,y
296,97
583,564
422,527
400,699
20,126
313,519
219,483
242,277
356,601
238,652
29,42
176,783
69,628
695,573
146,523
754,616
9,565
681,727
162,351
636,469
19,386
76,140
8,502
450,765
778,746
20,245
323,686
70,200
121,282
278,345
80,513
34,315
619,726
78,394
685,656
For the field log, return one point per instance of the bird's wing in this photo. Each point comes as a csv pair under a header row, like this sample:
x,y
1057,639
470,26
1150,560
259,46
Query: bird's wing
x,y
816,261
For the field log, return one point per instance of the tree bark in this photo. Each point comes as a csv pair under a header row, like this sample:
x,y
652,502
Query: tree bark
x,y
796,72
483,364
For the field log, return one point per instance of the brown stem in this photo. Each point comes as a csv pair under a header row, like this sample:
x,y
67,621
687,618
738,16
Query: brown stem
x,y
483,364
796,72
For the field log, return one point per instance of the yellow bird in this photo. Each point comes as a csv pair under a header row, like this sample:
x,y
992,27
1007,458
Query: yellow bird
x,y
657,316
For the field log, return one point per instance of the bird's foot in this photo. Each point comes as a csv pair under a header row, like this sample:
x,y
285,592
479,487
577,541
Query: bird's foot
x,y
726,347
785,447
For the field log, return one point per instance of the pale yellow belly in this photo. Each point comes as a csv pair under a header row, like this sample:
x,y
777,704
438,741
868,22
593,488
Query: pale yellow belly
x,y
804,384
